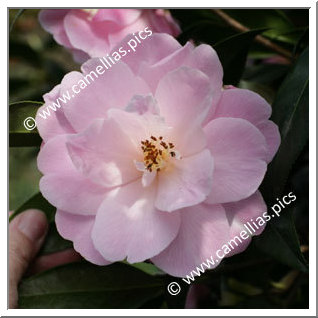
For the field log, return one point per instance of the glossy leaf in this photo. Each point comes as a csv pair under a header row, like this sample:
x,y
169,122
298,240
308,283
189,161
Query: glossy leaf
x,y
291,113
233,64
280,240
83,285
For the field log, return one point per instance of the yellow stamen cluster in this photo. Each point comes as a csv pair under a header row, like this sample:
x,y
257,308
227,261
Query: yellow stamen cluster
x,y
156,152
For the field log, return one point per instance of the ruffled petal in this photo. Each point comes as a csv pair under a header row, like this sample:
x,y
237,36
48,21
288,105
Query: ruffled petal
x,y
51,123
208,233
184,99
203,230
52,21
76,25
62,185
205,59
239,152
185,182
118,16
105,154
128,226
245,104
157,47
112,89
78,228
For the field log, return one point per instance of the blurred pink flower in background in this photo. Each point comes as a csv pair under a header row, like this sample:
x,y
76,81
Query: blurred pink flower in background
x,y
155,160
93,32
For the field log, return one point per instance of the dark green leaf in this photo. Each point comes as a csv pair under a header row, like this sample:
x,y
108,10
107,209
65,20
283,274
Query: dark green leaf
x,y
233,52
263,90
19,136
83,285
291,113
303,42
280,240
201,26
265,73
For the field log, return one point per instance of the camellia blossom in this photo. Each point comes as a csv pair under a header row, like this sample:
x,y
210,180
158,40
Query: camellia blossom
x,y
156,160
93,32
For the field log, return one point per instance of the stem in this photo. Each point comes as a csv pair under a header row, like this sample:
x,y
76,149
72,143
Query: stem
x,y
260,39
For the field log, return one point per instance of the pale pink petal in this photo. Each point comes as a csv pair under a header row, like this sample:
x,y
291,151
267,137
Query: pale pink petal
x,y
84,35
155,48
246,215
96,31
79,56
128,225
52,21
203,230
78,228
131,31
205,59
184,98
49,122
103,92
72,192
161,21
143,105
152,73
210,233
118,16
105,154
62,185
148,178
239,150
243,103
141,29
54,157
140,127
271,133
185,182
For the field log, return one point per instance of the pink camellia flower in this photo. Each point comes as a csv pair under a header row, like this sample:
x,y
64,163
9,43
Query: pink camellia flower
x,y
93,32
155,159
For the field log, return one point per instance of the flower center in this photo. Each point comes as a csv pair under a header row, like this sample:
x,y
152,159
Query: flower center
x,y
157,152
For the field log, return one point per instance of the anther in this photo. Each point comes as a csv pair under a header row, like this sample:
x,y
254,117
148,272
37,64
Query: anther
x,y
156,153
